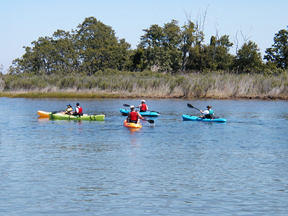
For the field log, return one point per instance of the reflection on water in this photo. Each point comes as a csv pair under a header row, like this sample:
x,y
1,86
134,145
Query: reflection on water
x,y
43,119
133,130
171,167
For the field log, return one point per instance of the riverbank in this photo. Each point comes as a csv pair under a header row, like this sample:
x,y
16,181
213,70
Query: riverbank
x,y
117,95
148,85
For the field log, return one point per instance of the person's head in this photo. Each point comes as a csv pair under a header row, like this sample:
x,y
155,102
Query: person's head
x,y
77,104
132,107
209,107
142,101
69,105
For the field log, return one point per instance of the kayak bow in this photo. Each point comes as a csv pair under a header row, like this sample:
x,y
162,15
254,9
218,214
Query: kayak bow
x,y
43,114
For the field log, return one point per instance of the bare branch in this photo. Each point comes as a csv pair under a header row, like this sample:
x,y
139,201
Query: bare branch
x,y
236,42
245,38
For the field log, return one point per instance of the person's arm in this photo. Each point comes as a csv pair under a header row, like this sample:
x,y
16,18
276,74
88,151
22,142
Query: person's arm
x,y
140,116
205,112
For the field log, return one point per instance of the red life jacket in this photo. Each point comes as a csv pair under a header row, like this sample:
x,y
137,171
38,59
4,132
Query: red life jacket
x,y
80,110
133,116
143,108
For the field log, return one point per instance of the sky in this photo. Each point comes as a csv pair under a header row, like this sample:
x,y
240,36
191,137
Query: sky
x,y
24,21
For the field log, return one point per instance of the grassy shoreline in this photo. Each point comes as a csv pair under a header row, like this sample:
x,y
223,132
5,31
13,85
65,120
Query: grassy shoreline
x,y
114,84
116,95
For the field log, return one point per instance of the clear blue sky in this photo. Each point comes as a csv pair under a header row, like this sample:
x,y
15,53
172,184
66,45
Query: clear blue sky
x,y
22,22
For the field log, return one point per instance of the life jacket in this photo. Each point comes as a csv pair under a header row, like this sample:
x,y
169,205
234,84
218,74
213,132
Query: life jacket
x,y
69,109
79,110
210,115
143,108
133,116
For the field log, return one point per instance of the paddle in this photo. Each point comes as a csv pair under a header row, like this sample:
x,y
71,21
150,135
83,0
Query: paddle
x,y
53,112
191,106
127,105
149,120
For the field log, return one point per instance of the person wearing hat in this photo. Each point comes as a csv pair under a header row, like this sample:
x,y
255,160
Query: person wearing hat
x,y
134,116
78,110
69,109
143,106
207,113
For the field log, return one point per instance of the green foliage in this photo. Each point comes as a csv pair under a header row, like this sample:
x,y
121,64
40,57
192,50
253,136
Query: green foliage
x,y
93,48
161,47
90,48
278,53
248,58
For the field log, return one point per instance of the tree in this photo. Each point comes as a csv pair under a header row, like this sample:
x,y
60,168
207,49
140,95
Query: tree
x,y
278,53
193,49
98,46
188,38
65,57
248,58
161,47
152,44
222,59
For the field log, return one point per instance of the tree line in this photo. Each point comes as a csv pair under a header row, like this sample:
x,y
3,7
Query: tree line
x,y
94,47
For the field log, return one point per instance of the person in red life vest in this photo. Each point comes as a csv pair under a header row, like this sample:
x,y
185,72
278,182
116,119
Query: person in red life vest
x,y
143,106
134,116
78,110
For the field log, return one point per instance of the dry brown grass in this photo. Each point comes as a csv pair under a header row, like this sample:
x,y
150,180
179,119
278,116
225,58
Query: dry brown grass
x,y
153,85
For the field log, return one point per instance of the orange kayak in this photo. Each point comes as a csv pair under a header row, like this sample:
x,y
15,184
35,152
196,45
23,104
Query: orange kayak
x,y
43,114
132,125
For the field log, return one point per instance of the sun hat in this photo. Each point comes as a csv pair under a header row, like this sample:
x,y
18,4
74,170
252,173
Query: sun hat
x,y
131,107
143,101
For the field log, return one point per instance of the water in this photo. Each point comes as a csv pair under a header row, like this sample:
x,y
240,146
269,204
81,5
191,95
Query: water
x,y
167,168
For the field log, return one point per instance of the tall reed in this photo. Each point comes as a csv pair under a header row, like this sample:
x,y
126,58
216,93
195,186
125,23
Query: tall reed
x,y
150,84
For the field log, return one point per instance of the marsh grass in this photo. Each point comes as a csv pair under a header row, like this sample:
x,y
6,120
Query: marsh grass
x,y
114,84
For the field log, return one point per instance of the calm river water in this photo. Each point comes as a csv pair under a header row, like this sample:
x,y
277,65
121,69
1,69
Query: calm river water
x,y
170,168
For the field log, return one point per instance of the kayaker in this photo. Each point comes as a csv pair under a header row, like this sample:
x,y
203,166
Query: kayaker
x,y
143,106
78,110
69,109
134,116
207,113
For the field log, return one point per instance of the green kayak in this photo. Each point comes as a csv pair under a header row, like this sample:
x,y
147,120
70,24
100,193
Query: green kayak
x,y
61,116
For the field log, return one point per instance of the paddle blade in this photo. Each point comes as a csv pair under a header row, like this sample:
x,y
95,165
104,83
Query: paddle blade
x,y
127,105
149,120
190,105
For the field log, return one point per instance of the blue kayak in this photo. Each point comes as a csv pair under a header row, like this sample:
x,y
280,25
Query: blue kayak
x,y
147,113
197,118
